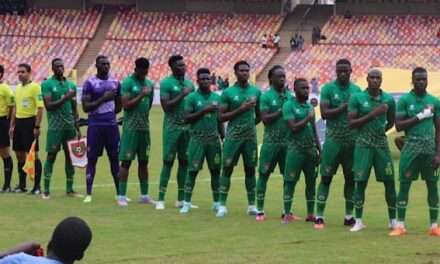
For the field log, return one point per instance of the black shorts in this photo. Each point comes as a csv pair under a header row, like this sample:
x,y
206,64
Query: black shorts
x,y
24,134
4,132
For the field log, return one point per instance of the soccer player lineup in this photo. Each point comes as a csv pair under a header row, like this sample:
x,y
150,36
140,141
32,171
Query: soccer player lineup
x,y
200,124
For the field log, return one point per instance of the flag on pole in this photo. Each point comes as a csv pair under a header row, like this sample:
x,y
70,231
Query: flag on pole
x,y
29,166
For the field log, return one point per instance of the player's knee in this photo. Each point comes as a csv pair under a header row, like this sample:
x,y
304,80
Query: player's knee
x,y
327,180
51,157
125,164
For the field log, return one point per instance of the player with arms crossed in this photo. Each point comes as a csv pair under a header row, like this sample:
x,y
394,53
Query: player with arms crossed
x,y
418,114
6,109
137,98
303,150
101,99
175,135
201,111
59,95
240,106
274,147
372,113
339,141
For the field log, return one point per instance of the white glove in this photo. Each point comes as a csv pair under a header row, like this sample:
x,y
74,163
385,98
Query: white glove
x,y
426,113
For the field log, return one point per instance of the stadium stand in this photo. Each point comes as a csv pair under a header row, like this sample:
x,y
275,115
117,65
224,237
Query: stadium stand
x,y
43,34
211,40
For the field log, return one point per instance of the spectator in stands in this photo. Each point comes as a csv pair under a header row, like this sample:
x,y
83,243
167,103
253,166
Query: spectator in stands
x,y
213,79
438,36
270,41
276,41
264,41
69,241
315,86
314,102
300,42
222,83
316,35
293,44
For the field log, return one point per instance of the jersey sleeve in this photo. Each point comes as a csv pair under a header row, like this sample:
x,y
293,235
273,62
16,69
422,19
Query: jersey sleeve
x,y
38,96
46,90
10,98
325,94
353,104
287,112
391,105
224,99
165,89
87,88
401,107
264,104
125,88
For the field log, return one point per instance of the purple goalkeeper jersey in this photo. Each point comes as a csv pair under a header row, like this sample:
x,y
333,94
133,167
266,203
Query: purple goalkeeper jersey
x,y
95,88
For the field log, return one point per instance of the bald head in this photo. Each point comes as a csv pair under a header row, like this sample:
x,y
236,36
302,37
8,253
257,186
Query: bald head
x,y
374,78
374,72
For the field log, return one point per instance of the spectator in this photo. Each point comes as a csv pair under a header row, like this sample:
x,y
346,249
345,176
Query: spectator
x,y
270,41
314,102
300,42
438,37
315,86
69,241
316,35
293,44
213,78
276,41
264,41
226,82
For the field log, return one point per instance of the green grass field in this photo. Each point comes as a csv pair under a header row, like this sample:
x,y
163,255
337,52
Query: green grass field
x,y
139,234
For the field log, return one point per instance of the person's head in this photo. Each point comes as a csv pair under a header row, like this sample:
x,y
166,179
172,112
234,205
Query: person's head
x,y
2,71
301,88
277,77
314,102
420,79
24,72
343,71
141,66
242,71
204,79
102,65
58,67
177,65
70,239
374,79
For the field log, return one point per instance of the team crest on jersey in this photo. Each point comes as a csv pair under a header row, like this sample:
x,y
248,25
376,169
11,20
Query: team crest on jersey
x,y
412,107
176,88
235,98
54,89
274,102
297,111
365,104
336,96
199,103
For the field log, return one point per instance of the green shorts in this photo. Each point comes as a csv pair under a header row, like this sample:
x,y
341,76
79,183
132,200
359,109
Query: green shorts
x,y
270,156
232,149
134,143
55,138
198,151
367,157
334,153
301,160
410,168
174,141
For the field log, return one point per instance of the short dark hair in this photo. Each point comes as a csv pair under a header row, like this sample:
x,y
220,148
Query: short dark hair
x,y
343,61
173,59
238,63
419,70
297,81
100,57
142,63
203,71
26,66
2,69
70,239
272,70
55,60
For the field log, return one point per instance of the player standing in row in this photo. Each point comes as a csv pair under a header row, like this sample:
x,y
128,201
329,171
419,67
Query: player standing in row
x,y
175,135
101,99
59,95
418,114
372,113
137,98
339,141
25,125
303,150
201,112
6,110
240,107
274,147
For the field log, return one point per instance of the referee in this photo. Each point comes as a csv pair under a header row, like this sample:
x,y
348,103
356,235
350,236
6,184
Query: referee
x,y
25,125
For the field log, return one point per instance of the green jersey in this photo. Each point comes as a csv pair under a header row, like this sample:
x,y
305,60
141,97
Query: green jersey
x,y
304,139
62,118
420,138
243,125
270,102
371,134
171,87
137,119
334,94
205,129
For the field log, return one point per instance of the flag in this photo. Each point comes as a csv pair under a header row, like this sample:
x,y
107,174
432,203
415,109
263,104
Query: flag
x,y
29,166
